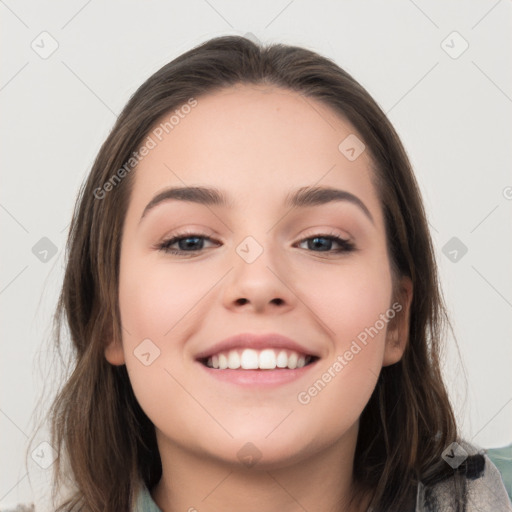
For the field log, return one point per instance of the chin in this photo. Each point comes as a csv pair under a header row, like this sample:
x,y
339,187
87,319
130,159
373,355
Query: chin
x,y
257,450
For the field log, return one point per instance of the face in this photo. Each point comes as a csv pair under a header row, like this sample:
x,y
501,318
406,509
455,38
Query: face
x,y
316,273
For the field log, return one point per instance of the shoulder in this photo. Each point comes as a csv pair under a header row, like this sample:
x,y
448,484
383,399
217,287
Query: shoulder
x,y
472,483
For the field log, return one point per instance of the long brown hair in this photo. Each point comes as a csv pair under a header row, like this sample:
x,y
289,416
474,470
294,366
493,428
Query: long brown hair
x,y
107,443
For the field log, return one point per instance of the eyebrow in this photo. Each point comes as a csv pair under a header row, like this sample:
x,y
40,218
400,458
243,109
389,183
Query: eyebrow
x,y
300,198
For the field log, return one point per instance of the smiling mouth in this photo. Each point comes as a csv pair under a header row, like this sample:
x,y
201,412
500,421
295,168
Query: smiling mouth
x,y
251,359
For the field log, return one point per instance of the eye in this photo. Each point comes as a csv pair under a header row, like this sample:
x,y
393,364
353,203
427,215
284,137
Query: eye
x,y
187,243
324,242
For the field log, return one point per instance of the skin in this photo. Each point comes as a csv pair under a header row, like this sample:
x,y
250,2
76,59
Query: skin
x,y
257,144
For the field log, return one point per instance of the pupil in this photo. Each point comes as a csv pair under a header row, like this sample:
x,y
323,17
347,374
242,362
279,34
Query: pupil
x,y
320,246
185,245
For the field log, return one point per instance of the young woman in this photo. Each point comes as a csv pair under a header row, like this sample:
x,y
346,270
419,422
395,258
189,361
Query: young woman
x,y
254,306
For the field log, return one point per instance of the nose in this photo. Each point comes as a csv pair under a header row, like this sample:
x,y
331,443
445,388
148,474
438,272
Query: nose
x,y
258,282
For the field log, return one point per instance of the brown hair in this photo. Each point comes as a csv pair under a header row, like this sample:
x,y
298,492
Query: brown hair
x,y
108,440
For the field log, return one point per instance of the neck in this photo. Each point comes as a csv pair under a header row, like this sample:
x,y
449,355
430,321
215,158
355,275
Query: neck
x,y
195,482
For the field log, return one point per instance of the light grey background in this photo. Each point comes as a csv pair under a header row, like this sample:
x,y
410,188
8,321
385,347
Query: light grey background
x,y
451,109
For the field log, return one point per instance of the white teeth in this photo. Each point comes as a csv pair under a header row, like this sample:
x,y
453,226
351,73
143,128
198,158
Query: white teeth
x,y
223,362
282,359
292,360
267,359
233,360
250,359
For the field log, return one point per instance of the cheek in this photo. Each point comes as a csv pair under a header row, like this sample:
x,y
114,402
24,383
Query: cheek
x,y
153,306
346,299
149,304
353,305
161,303
155,297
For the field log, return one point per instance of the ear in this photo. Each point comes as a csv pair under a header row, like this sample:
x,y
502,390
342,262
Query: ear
x,y
114,352
397,335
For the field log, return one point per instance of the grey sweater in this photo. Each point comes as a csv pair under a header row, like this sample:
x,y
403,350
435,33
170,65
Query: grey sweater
x,y
484,492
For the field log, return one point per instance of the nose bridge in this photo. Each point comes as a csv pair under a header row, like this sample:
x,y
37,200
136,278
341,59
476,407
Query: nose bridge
x,y
256,278
255,256
256,235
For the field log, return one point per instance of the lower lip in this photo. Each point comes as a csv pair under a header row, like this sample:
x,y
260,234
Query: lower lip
x,y
258,378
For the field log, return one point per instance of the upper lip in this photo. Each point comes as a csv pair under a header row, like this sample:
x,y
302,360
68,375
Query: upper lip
x,y
256,342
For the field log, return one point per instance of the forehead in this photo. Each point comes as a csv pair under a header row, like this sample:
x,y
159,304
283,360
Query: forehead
x,y
256,142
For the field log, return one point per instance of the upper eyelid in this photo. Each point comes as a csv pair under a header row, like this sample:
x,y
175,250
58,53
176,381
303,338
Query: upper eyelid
x,y
175,238
318,232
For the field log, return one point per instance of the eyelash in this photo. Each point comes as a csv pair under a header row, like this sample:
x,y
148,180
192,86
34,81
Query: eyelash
x,y
346,246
